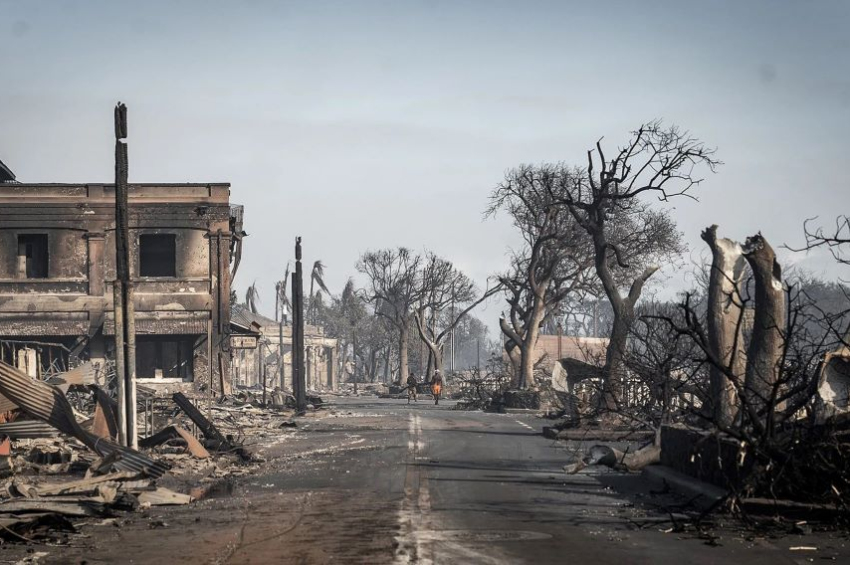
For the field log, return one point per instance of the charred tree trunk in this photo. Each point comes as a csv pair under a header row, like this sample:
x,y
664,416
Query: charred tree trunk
x,y
527,352
615,358
403,342
764,354
373,365
513,352
388,355
725,326
435,349
624,307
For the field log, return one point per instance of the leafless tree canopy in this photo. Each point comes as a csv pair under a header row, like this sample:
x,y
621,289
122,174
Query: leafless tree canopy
x,y
394,289
837,239
447,296
554,261
608,200
597,216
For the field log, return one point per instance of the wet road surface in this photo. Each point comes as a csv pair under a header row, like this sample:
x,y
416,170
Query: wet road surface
x,y
377,481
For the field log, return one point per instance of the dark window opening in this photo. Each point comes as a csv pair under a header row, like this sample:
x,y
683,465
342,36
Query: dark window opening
x,y
157,255
33,255
160,357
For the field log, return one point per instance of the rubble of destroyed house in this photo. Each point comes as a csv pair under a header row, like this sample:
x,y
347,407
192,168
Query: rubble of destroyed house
x,y
61,464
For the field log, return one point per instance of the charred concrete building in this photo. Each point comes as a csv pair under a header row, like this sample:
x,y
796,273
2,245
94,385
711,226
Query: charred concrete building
x,y
57,267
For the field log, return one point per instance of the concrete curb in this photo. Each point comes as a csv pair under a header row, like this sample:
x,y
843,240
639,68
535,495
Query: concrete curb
x,y
705,494
521,411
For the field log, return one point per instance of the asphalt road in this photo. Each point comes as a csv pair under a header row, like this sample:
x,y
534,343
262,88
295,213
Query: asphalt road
x,y
427,484
376,481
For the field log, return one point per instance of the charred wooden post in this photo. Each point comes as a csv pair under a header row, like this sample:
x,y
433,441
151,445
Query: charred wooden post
x,y
725,325
125,335
764,354
298,375
354,356
281,366
204,424
265,382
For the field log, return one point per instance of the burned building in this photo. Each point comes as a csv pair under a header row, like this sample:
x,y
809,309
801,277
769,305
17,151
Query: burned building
x,y
57,267
321,370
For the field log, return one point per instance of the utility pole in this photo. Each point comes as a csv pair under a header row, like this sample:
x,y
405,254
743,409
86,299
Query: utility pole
x,y
265,368
281,364
354,356
298,376
122,295
452,319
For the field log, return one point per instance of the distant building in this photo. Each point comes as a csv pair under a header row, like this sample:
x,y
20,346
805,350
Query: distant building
x,y
320,363
589,350
57,267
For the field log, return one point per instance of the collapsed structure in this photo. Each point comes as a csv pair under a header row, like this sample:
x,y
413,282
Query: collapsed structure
x,y
57,268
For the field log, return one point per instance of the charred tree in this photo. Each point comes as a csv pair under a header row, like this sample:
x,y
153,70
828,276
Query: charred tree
x,y
631,239
394,288
554,261
765,353
443,288
725,323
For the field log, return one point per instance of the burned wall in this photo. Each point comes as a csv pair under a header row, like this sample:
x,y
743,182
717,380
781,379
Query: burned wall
x,y
191,246
66,248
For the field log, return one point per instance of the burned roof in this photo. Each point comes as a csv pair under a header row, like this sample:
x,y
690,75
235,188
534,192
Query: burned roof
x,y
244,317
6,174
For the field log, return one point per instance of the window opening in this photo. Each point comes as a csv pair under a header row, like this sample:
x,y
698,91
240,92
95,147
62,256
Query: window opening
x,y
157,255
33,256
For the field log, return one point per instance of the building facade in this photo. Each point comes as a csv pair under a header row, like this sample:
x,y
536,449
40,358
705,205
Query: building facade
x,y
57,267
320,355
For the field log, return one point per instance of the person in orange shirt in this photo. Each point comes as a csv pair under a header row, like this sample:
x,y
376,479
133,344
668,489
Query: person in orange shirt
x,y
436,385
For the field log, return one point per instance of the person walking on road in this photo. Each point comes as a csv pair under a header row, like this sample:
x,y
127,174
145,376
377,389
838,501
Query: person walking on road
x,y
411,388
436,385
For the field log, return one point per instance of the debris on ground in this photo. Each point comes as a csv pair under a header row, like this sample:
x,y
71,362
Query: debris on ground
x,y
616,459
60,462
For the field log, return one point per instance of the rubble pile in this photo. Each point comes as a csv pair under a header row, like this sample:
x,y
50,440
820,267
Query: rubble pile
x,y
60,461
363,389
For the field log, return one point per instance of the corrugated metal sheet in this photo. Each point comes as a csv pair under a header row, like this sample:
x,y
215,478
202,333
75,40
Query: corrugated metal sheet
x,y
28,429
48,403
23,328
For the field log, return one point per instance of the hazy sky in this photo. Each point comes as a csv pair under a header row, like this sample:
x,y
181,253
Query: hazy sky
x,y
370,124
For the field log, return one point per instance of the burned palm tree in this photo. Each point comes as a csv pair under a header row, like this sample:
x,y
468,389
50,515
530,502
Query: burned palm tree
x,y
252,297
281,302
317,277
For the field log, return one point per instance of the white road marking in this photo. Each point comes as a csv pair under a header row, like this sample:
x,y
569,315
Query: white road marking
x,y
524,425
414,515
